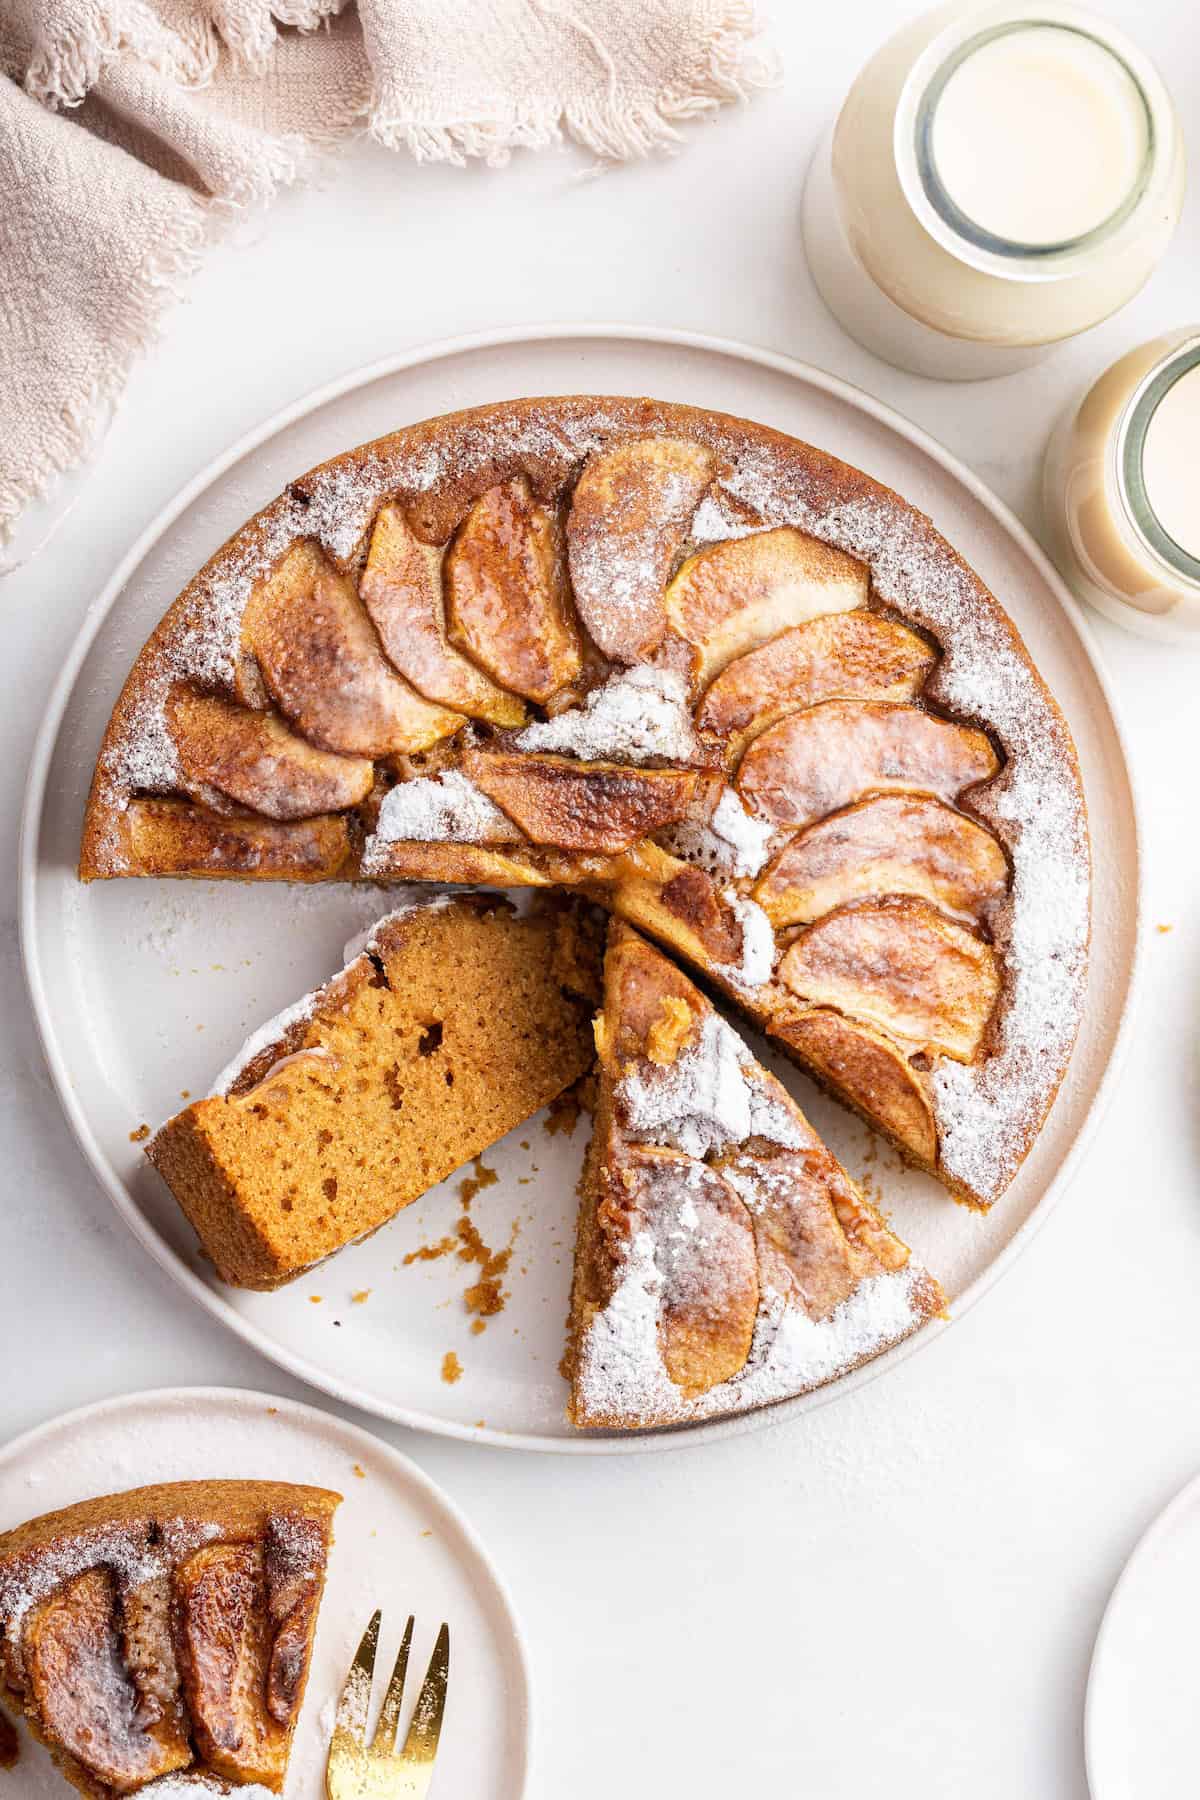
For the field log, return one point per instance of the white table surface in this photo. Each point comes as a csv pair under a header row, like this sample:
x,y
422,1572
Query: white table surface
x,y
900,1593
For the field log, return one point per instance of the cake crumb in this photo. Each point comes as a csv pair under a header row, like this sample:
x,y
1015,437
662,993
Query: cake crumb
x,y
140,1135
427,1533
478,1326
430,1252
360,1297
360,1472
185,1093
471,1185
451,1368
315,1299
1163,929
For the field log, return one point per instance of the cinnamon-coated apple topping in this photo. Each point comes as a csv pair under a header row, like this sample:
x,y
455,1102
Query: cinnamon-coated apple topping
x,y
580,806
833,754
84,1695
629,519
840,656
508,602
224,1640
903,966
728,600
323,665
888,844
867,1069
254,759
705,1260
401,588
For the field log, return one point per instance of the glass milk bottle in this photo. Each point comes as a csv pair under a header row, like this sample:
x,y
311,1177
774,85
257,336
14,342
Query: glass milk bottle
x,y
1000,178
1122,490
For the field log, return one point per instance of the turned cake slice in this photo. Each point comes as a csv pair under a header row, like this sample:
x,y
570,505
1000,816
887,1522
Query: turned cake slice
x,y
456,1021
725,1259
159,1641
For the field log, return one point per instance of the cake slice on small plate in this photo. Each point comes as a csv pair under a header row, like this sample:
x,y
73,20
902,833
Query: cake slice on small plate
x,y
158,1642
456,1020
724,1259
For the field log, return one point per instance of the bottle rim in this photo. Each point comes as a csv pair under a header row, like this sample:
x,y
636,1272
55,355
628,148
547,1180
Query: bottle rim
x,y
1128,460
927,195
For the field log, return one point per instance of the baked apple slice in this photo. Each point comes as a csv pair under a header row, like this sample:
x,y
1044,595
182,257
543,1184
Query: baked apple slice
x,y
224,1646
833,754
727,600
508,605
401,588
678,904
629,519
253,758
84,1695
173,837
888,844
903,966
840,656
704,1258
323,667
869,1071
578,805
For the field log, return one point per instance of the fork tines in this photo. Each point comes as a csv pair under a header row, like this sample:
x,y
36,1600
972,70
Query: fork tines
x,y
358,1770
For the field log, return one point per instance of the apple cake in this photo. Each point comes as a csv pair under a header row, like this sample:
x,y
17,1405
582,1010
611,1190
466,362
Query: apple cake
x,y
159,1641
724,1258
453,1021
724,684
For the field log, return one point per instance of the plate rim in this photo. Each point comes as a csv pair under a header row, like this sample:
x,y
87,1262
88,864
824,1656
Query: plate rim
x,y
440,349
1159,1527
304,1413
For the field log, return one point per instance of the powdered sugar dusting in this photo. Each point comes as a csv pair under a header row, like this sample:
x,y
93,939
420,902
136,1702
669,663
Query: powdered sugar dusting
x,y
709,1097
986,1112
187,1786
640,715
620,1366
127,1552
445,808
733,842
272,1032
757,962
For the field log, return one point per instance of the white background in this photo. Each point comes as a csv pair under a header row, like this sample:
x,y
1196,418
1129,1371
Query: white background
x,y
899,1594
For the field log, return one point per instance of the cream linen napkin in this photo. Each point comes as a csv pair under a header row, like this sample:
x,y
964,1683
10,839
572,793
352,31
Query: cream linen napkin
x,y
131,130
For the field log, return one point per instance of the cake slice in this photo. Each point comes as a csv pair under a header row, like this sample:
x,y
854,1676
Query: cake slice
x,y
454,1023
159,1641
724,1259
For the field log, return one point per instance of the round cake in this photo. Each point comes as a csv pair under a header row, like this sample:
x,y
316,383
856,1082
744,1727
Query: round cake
x,y
724,684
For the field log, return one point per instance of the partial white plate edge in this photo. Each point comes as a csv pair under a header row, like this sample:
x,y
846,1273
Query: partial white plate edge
x,y
1159,1528
35,794
437,1500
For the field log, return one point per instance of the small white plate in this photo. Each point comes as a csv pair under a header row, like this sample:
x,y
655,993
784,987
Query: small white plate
x,y
1144,1687
399,1544
145,988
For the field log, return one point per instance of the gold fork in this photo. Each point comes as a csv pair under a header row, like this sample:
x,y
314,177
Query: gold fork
x,y
357,1770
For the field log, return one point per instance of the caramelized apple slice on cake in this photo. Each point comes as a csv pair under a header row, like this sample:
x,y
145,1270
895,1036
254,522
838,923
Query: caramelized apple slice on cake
x,y
166,1631
252,758
840,656
869,1071
903,966
401,588
888,844
578,805
724,1259
835,753
629,519
727,600
322,664
508,604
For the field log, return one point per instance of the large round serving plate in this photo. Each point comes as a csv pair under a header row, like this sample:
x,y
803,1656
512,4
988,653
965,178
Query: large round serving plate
x,y
144,989
399,1544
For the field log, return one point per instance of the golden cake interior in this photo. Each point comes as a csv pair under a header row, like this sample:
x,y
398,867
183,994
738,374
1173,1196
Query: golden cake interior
x,y
166,1630
453,1025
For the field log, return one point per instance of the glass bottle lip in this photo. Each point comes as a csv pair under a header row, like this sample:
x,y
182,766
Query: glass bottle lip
x,y
935,209
1127,466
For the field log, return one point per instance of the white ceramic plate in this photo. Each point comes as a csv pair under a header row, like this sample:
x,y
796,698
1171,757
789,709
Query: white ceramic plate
x,y
1140,1720
144,989
398,1544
